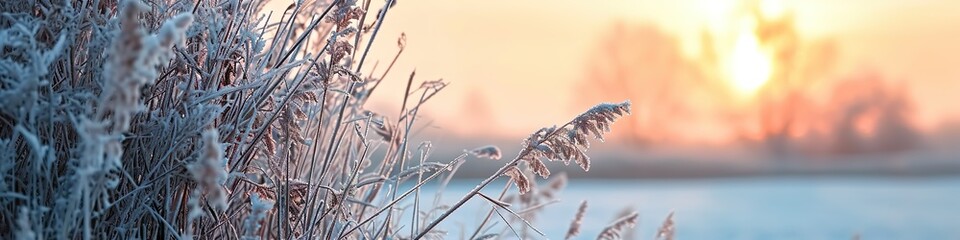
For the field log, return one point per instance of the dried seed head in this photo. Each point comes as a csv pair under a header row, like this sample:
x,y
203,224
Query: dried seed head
x,y
570,142
555,186
615,230
340,49
574,229
209,170
537,166
435,85
402,41
523,184
488,151
382,126
598,119
666,229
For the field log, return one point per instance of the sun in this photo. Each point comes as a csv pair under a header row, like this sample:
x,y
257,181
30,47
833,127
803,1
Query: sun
x,y
749,67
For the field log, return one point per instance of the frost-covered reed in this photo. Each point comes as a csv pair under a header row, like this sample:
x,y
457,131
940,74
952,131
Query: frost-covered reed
x,y
212,119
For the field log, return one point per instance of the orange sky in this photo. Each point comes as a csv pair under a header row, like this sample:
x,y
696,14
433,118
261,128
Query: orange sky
x,y
518,65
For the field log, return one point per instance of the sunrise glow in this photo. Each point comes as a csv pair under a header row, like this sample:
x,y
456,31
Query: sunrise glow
x,y
749,66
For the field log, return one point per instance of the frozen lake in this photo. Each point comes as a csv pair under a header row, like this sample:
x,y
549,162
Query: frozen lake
x,y
746,208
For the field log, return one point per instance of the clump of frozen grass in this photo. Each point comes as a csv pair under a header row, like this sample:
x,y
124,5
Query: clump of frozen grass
x,y
209,170
134,57
110,132
258,212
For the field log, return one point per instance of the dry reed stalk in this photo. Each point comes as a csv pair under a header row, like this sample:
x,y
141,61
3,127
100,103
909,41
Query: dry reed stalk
x,y
615,230
666,230
574,229
545,143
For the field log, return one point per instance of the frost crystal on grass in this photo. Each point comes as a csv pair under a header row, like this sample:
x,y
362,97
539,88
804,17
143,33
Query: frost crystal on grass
x,y
258,211
569,143
133,57
519,179
24,228
209,170
598,119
